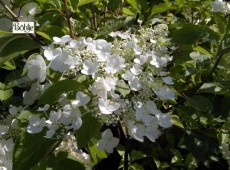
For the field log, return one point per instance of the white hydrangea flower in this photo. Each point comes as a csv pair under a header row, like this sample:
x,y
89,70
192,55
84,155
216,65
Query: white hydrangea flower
x,y
135,84
62,62
164,120
168,80
6,149
133,45
71,117
220,6
107,106
81,99
62,41
158,61
44,108
107,142
36,68
52,130
151,107
55,116
136,69
101,86
80,42
128,75
142,59
137,130
33,94
13,110
152,133
3,130
164,93
36,124
114,64
89,67
51,54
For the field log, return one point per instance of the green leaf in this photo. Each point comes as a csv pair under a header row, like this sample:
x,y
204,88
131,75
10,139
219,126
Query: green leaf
x,y
199,103
162,8
89,129
9,65
74,4
190,33
96,155
202,50
220,21
5,92
139,5
214,88
127,11
16,46
177,158
64,161
123,89
52,94
29,149
3,33
44,35
50,31
53,76
225,44
176,121
84,2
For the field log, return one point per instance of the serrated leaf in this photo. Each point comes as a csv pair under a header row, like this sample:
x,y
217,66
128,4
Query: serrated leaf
x,y
29,149
89,129
199,103
5,92
52,94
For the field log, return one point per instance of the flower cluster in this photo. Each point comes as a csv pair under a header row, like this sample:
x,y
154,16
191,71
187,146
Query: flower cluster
x,y
125,79
220,6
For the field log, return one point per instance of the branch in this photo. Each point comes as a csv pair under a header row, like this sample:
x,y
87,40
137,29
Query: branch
x,y
68,17
52,149
126,155
9,10
94,18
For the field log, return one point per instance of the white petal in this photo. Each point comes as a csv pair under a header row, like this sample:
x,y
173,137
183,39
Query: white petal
x,y
113,142
107,134
81,99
